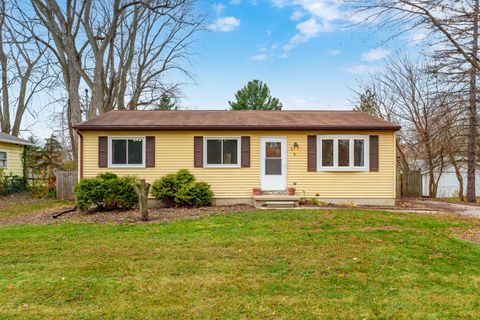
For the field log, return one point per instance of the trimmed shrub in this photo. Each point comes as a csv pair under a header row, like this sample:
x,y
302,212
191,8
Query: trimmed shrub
x,y
184,176
181,189
194,194
165,189
106,192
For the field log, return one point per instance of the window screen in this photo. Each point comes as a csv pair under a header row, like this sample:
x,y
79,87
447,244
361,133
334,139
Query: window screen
x,y
128,151
327,153
3,159
343,152
222,151
358,153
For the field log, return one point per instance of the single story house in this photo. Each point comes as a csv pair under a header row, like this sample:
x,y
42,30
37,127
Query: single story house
x,y
338,156
11,153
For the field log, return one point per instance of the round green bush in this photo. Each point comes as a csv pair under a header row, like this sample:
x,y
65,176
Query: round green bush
x,y
194,194
180,189
106,192
165,189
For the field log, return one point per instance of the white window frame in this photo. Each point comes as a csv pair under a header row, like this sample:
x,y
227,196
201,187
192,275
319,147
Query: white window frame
x,y
6,160
110,152
239,153
351,138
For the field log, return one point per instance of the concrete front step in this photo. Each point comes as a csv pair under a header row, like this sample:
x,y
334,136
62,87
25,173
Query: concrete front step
x,y
276,201
280,204
276,193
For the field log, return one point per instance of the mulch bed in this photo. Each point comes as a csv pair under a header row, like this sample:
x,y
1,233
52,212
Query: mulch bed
x,y
129,216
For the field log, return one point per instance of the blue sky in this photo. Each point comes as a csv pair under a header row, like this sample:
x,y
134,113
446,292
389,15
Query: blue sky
x,y
302,49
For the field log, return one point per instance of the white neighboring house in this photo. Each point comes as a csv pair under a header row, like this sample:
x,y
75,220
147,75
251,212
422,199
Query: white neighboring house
x,y
448,185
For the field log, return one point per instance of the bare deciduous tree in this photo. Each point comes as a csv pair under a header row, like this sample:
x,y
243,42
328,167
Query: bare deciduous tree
x,y
25,71
452,22
409,95
121,50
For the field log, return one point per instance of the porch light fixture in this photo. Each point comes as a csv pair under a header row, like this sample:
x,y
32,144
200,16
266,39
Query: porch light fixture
x,y
295,148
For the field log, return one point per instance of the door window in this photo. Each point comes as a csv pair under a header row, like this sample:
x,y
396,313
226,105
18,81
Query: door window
x,y
273,158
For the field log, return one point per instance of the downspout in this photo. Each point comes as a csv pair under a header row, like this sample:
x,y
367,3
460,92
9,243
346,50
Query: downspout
x,y
80,162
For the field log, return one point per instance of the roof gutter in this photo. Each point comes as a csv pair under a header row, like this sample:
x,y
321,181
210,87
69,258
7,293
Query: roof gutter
x,y
225,127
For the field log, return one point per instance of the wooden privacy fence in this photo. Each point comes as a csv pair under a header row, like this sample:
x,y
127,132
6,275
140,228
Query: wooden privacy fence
x,y
409,184
66,181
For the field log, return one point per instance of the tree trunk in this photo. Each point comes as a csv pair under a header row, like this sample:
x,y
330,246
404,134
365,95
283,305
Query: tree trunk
x,y
5,113
74,110
440,172
472,126
432,192
142,193
458,173
21,106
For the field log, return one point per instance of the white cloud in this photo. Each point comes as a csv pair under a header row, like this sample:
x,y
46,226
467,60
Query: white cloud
x,y
307,30
361,69
297,15
318,15
323,9
225,24
328,10
375,54
218,8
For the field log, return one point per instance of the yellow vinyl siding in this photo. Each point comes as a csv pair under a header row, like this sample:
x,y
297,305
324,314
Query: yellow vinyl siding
x,y
174,151
14,158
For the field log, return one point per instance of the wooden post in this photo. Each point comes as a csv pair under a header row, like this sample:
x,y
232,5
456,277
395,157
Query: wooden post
x,y
142,193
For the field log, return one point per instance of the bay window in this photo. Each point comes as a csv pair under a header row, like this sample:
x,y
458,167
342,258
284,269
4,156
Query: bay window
x,y
342,153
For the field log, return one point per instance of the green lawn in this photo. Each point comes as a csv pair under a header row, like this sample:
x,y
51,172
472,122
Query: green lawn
x,y
348,264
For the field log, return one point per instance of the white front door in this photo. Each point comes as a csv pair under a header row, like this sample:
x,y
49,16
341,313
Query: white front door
x,y
273,166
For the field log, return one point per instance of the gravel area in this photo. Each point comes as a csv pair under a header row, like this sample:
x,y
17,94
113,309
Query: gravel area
x,y
443,207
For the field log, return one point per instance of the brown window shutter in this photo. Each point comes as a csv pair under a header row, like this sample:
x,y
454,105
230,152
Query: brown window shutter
x,y
312,153
102,152
150,152
198,151
373,153
245,152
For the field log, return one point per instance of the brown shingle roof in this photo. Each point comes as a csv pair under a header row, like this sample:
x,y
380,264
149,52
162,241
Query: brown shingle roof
x,y
226,119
